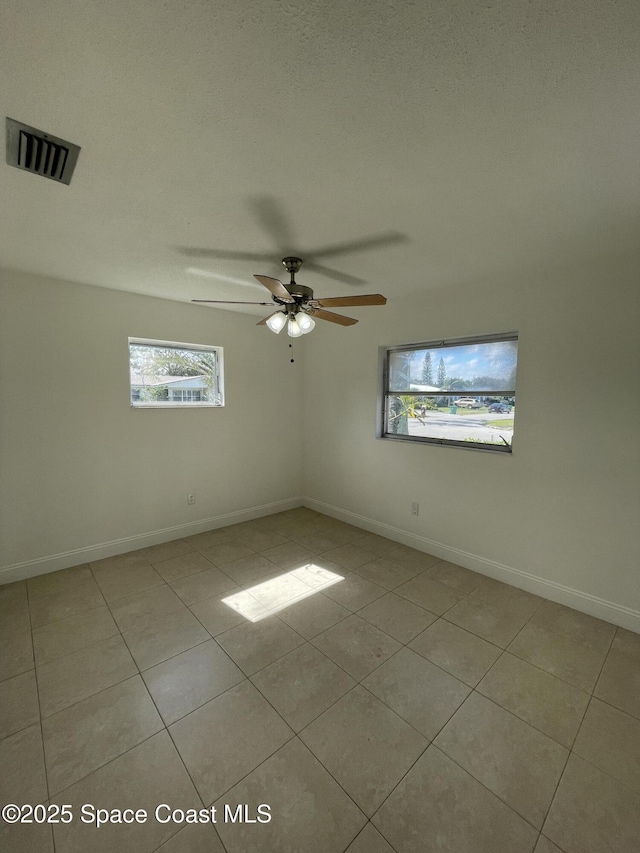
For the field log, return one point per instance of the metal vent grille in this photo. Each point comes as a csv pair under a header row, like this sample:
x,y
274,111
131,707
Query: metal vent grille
x,y
41,153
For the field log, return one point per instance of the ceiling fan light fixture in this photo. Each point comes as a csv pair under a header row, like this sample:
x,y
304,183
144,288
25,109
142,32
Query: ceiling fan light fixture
x,y
293,329
306,323
277,322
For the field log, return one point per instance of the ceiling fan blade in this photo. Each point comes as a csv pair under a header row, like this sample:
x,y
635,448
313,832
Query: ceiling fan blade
x,y
229,302
358,245
369,299
276,287
340,319
329,273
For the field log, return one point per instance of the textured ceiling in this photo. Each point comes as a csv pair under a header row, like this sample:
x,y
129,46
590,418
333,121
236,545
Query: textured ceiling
x,y
474,139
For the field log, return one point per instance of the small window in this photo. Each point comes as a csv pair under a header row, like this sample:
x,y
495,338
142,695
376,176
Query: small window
x,y
164,374
457,392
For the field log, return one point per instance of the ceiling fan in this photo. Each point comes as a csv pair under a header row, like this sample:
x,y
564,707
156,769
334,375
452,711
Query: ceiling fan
x,y
297,306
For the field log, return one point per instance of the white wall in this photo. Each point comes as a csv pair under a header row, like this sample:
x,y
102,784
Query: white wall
x,y
80,468
561,515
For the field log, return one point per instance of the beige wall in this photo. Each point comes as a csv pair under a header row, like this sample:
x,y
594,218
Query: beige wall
x,y
80,468
560,515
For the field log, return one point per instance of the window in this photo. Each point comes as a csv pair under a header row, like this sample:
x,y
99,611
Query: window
x,y
165,374
458,392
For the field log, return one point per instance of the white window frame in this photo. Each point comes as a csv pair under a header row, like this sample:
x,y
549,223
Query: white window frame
x,y
384,392
218,353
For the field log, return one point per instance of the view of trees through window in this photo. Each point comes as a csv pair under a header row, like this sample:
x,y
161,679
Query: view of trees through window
x,y
167,374
453,392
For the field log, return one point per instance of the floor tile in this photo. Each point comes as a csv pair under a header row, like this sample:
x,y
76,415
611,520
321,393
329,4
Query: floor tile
x,y
167,550
19,706
116,583
365,746
439,808
456,651
586,630
386,573
17,653
356,646
14,616
433,596
379,546
591,812
67,680
313,615
457,577
254,645
619,682
515,761
354,591
189,680
488,622
96,730
259,539
546,846
302,685
23,777
418,691
194,838
226,552
145,776
12,593
160,640
558,655
119,561
349,556
203,585
26,838
249,569
137,610
216,616
202,541
56,582
610,739
323,540
73,633
545,702
412,558
288,555
227,738
310,811
508,598
83,596
182,566
398,617
369,841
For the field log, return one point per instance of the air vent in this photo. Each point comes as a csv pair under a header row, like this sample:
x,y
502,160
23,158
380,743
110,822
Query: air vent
x,y
41,153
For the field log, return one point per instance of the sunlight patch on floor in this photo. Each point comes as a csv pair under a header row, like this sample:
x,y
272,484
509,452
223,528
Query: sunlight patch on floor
x,y
273,595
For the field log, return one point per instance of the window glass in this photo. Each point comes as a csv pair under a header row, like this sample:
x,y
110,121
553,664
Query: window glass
x,y
164,374
452,392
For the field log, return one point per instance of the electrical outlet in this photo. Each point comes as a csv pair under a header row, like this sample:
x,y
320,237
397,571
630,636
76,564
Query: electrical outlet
x,y
414,508
191,499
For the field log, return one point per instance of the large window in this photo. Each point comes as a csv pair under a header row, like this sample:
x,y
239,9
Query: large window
x,y
165,374
457,392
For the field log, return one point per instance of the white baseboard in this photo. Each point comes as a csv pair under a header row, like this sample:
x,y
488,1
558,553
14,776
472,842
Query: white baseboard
x,y
54,562
617,614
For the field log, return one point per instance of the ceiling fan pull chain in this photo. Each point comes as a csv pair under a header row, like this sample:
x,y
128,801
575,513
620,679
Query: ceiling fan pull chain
x,y
291,347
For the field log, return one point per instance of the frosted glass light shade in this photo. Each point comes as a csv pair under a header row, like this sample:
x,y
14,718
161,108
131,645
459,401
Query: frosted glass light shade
x,y
293,329
306,323
277,322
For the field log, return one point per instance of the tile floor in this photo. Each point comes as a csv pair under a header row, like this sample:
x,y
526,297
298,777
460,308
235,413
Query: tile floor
x,y
413,706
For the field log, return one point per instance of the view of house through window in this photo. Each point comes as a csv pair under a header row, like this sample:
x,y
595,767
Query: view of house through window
x,y
164,374
459,392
